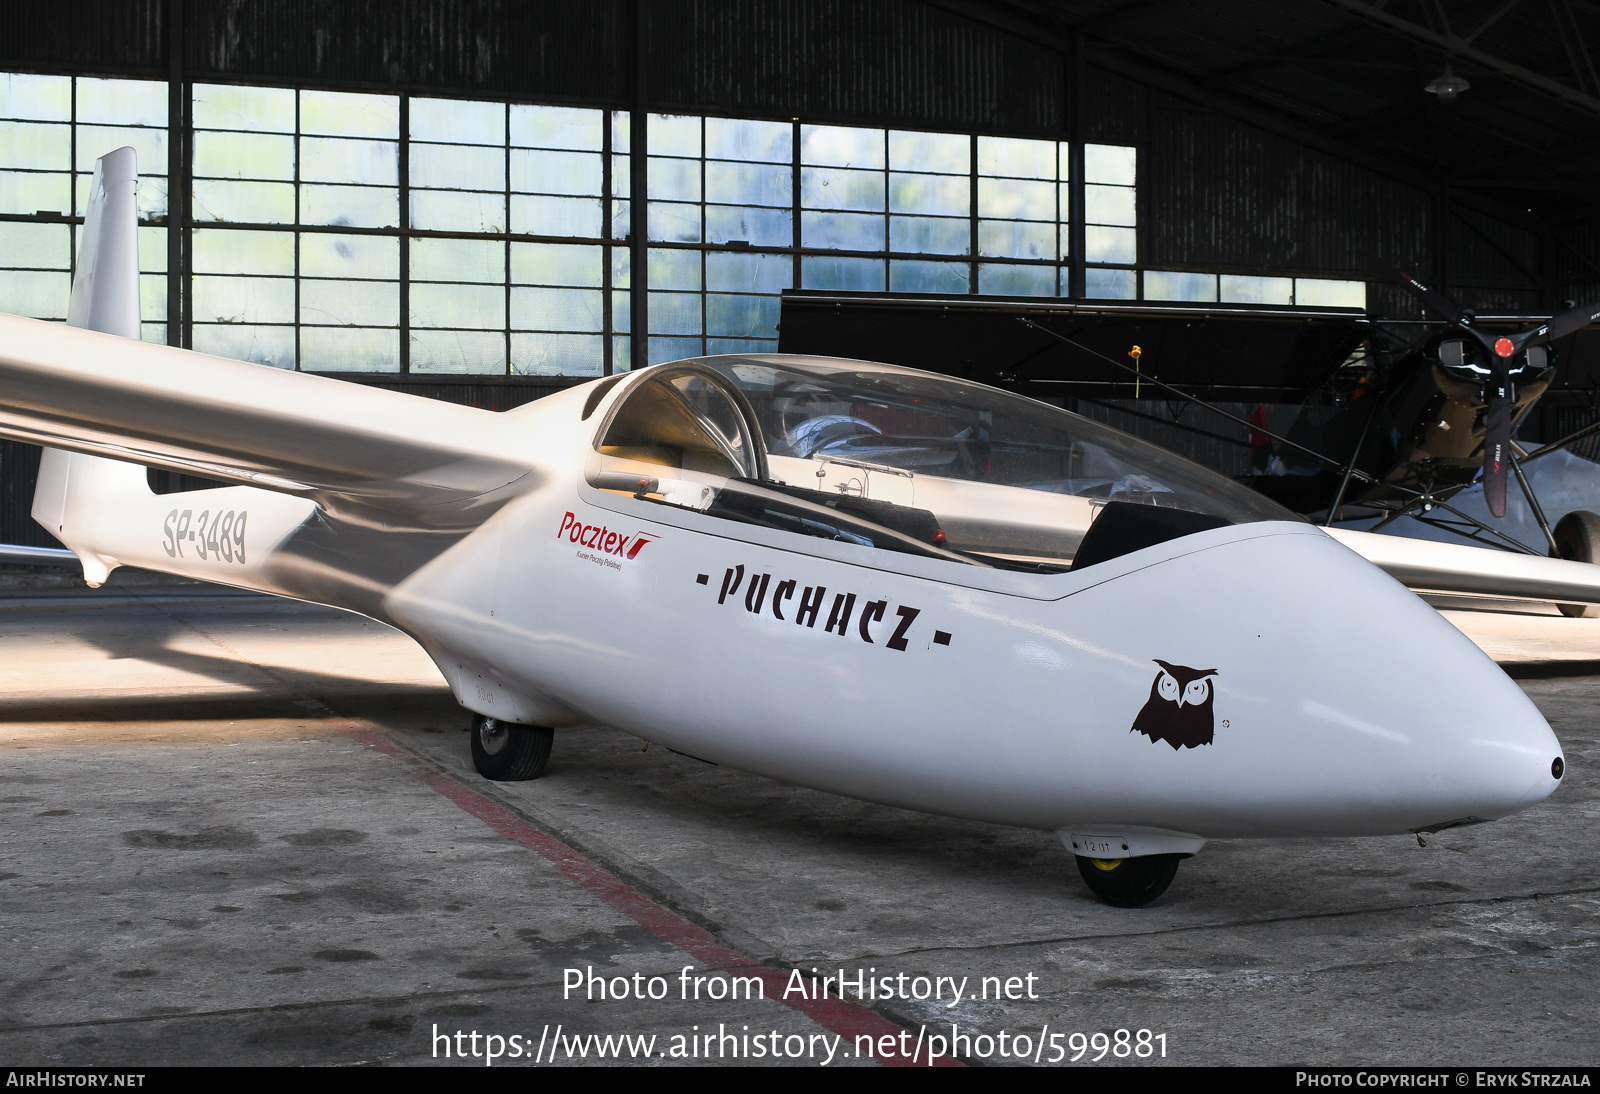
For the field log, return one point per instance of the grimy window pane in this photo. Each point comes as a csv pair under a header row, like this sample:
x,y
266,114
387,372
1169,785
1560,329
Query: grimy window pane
x,y
152,250
1113,245
33,146
250,109
930,235
1109,205
40,98
458,121
749,184
1015,198
244,202
557,354
936,195
556,309
458,260
1236,289
674,180
1322,293
674,269
348,114
537,215
264,345
946,153
736,139
329,159
557,264
1111,284
841,146
35,294
842,231
457,211
835,188
827,272
349,349
359,256
674,313
153,297
28,194
742,316
1001,280
349,206
757,227
1109,163
223,251
243,299
456,167
479,306
1174,285
906,275
741,345
350,303
1017,158
122,102
672,349
244,156
569,127
39,246
458,351
748,273
673,223
541,172
673,135
150,145
1016,239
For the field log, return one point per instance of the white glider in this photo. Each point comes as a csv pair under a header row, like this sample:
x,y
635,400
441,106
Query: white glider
x,y
856,577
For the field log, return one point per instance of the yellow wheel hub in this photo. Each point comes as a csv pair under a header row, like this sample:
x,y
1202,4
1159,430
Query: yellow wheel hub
x,y
1107,864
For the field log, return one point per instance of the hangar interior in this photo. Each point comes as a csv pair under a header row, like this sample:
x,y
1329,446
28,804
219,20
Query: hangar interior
x,y
438,196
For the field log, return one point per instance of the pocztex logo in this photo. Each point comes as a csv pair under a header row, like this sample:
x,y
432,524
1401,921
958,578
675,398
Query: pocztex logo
x,y
599,544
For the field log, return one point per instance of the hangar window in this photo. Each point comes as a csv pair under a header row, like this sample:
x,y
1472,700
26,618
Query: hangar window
x,y
52,129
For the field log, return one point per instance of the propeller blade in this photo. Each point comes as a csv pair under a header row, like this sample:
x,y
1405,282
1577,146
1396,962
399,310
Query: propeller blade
x,y
1497,442
1560,326
1435,300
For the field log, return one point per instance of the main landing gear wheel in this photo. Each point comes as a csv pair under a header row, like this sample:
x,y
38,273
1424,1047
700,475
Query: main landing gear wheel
x,y
507,752
1128,882
1577,538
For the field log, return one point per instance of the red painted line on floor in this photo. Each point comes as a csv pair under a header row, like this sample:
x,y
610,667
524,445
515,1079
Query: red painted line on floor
x,y
849,1020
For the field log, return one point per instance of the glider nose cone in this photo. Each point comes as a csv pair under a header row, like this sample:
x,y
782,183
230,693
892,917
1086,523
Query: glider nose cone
x,y
1327,698
1436,730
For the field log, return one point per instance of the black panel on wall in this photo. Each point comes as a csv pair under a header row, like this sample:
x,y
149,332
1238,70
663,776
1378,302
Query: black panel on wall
x,y
84,35
889,62
543,48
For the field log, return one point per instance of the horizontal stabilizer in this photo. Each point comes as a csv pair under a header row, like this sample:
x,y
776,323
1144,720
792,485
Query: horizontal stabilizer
x,y
1426,566
353,448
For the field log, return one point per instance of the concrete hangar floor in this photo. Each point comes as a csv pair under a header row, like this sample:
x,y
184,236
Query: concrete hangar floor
x,y
244,830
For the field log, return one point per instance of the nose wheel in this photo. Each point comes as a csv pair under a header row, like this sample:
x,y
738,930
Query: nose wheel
x,y
1128,882
507,752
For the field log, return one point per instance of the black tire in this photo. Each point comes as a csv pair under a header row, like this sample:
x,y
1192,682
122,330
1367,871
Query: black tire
x,y
1578,540
1128,882
506,752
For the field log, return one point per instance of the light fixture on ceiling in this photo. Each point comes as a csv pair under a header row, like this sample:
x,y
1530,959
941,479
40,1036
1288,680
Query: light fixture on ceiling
x,y
1447,86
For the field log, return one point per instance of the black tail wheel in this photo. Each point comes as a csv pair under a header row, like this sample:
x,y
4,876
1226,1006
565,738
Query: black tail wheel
x,y
507,752
1577,537
1128,882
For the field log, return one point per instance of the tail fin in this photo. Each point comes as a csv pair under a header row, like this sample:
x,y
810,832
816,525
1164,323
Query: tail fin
x,y
105,298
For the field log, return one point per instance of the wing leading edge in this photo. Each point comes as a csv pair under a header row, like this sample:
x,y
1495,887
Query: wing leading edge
x,y
1426,566
354,449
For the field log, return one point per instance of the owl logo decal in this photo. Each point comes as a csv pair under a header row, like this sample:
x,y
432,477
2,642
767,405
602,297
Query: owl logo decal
x,y
1179,708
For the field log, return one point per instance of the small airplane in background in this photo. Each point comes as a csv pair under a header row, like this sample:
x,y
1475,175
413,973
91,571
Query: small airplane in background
x,y
865,579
